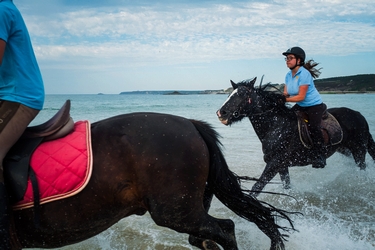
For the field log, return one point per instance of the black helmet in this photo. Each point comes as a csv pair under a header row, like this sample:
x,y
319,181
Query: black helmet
x,y
298,52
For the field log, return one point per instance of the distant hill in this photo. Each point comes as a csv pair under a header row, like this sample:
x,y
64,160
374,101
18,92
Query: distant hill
x,y
355,83
342,84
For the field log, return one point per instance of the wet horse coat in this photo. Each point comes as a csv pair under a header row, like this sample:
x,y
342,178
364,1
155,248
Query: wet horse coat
x,y
167,165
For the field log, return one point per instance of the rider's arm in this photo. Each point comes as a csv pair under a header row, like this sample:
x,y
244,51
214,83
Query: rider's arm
x,y
2,49
300,96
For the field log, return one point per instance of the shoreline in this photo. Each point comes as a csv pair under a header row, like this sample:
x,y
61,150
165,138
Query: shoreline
x,y
345,92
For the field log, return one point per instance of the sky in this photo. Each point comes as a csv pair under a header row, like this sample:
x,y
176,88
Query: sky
x,y
91,46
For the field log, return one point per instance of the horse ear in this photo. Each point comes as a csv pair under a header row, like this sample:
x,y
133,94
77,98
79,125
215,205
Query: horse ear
x,y
234,85
251,83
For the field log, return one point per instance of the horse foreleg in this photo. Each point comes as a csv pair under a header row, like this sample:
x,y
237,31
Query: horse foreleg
x,y
268,174
285,177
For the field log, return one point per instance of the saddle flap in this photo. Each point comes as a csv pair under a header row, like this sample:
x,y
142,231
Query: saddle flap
x,y
16,166
331,129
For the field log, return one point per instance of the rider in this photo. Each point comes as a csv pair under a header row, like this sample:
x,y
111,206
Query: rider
x,y
21,94
300,88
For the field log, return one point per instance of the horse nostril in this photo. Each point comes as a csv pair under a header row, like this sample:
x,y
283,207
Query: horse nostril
x,y
220,113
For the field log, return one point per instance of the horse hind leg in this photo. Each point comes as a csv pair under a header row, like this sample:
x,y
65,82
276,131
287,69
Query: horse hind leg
x,y
200,225
226,226
359,155
203,244
200,243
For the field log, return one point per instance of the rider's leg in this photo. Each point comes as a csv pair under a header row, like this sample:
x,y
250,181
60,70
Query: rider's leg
x,y
315,117
14,118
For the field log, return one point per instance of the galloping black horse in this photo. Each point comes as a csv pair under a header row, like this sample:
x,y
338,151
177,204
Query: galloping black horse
x,y
276,126
167,165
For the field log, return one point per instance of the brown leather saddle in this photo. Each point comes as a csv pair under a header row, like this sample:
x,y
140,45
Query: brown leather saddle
x,y
16,163
331,129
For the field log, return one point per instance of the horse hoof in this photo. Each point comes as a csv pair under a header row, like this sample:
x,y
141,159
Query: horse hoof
x,y
254,194
210,245
318,165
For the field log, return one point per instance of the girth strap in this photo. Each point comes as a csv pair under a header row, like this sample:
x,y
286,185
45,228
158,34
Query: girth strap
x,y
34,183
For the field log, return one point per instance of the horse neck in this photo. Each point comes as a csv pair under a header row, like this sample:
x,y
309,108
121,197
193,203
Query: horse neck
x,y
268,121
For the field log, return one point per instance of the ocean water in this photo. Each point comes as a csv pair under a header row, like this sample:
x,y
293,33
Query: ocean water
x,y
337,202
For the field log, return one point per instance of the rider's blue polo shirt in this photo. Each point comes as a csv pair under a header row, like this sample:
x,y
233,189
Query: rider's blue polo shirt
x,y
303,77
20,77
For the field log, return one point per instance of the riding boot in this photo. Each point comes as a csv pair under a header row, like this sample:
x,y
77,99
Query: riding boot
x,y
4,219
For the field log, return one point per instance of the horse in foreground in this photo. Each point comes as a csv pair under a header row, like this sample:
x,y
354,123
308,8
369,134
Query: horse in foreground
x,y
277,128
166,165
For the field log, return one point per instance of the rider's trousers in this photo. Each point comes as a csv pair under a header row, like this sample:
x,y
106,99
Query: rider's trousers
x,y
14,118
315,114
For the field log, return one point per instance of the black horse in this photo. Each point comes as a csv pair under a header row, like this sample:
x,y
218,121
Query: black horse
x,y
276,126
167,165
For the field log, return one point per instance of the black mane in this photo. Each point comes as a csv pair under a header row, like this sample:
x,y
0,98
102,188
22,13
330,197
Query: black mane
x,y
274,97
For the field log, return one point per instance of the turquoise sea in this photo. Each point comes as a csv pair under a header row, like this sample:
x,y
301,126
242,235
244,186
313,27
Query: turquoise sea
x,y
337,202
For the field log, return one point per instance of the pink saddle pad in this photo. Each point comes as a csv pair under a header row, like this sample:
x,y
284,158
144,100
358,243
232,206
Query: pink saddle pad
x,y
63,167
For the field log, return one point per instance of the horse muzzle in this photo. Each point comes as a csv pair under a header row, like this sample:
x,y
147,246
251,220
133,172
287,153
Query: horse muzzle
x,y
221,119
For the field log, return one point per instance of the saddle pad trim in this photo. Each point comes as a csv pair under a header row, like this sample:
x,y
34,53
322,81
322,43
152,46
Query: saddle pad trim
x,y
78,188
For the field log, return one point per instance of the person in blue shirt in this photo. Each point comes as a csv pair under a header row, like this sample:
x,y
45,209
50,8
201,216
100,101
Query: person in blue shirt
x,y
300,88
21,94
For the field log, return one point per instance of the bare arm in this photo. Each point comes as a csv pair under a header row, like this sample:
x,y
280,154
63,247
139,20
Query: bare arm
x,y
2,49
300,96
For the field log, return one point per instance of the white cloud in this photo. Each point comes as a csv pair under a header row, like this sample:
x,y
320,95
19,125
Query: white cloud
x,y
135,36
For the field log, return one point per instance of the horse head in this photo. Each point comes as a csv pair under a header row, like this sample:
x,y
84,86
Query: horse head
x,y
236,107
247,100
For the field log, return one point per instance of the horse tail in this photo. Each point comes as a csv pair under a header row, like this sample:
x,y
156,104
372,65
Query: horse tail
x,y
371,147
226,186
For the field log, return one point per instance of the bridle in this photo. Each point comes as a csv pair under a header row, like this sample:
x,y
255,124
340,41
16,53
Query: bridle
x,y
237,113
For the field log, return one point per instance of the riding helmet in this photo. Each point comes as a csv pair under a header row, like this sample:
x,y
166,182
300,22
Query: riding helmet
x,y
297,51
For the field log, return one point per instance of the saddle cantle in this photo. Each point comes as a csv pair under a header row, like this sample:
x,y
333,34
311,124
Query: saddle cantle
x,y
16,162
330,127
56,127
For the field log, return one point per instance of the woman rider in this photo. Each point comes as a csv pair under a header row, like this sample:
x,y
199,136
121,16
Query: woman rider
x,y
300,88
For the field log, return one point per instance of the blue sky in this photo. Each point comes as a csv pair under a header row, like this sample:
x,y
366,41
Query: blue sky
x,y
90,46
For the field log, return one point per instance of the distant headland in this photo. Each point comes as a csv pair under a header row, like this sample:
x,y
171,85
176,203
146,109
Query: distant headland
x,y
364,83
347,84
